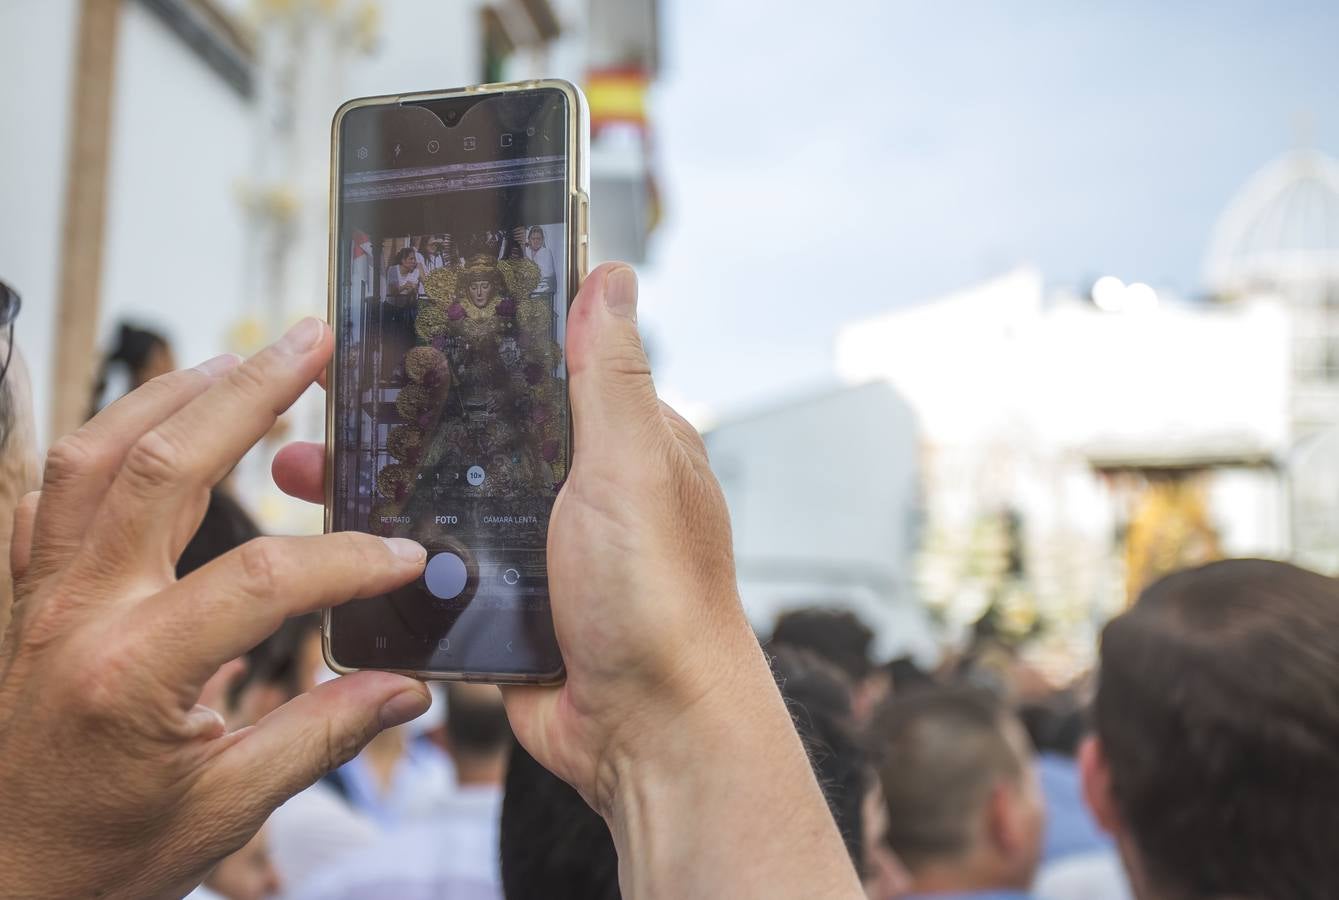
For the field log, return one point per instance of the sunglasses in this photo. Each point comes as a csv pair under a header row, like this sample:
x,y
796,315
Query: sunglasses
x,y
9,311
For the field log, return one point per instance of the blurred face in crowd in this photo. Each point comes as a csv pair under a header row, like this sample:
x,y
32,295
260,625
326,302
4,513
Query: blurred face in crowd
x,y
885,878
536,239
408,262
248,874
260,697
868,694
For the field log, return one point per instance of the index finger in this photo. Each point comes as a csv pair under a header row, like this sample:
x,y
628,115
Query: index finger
x,y
226,607
174,464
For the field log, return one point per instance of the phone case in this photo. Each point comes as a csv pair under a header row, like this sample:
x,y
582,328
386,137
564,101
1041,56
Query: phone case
x,y
578,212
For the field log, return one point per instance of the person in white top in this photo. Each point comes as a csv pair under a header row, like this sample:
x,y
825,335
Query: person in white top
x,y
435,256
542,256
404,278
454,851
317,827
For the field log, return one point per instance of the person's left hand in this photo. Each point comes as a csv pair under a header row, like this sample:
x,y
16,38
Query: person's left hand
x,y
114,780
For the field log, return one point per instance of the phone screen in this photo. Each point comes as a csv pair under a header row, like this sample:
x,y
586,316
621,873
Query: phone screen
x,y
450,387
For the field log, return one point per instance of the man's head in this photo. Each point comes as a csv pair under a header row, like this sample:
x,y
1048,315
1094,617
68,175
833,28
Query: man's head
x,y
838,636
225,526
285,665
819,700
535,237
477,733
964,806
1215,761
406,259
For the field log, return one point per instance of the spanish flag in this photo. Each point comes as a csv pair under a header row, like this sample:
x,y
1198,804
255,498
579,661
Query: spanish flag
x,y
617,96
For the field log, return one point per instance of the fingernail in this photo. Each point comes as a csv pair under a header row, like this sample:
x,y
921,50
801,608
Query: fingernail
x,y
409,551
218,365
302,336
402,707
620,292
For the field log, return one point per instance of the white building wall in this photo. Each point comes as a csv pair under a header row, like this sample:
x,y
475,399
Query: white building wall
x,y
1017,396
174,252
824,503
37,47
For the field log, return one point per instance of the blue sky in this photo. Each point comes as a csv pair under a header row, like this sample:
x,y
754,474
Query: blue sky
x,y
826,162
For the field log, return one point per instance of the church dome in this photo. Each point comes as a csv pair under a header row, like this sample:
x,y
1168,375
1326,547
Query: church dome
x,y
1283,225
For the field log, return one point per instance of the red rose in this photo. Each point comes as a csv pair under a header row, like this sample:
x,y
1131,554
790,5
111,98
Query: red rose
x,y
506,308
455,312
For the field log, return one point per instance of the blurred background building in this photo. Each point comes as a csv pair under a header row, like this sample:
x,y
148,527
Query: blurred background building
x,y
174,166
1074,446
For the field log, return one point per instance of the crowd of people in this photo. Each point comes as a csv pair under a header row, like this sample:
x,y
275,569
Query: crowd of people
x,y
168,726
424,254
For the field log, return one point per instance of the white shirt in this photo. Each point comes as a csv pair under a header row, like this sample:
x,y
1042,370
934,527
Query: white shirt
x,y
203,893
397,279
1097,875
313,831
423,777
548,272
451,855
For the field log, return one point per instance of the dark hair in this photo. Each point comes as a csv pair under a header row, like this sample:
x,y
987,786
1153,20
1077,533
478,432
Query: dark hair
x,y
1056,724
836,635
225,526
475,726
553,846
274,661
908,676
403,253
819,700
1218,713
556,847
133,348
941,751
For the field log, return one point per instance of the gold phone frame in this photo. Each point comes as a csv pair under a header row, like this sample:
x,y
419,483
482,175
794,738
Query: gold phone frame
x,y
578,241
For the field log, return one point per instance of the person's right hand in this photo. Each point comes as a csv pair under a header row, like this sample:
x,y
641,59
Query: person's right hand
x,y
669,722
113,780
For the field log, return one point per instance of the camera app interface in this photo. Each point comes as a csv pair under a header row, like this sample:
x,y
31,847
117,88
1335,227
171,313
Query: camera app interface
x,y
451,388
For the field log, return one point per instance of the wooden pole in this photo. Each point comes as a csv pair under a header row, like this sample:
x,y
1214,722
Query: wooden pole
x,y
85,215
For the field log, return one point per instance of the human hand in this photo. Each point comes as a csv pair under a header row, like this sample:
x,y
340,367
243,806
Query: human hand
x,y
113,779
668,701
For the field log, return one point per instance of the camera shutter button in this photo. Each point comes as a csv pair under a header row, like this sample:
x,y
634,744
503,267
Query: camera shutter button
x,y
445,576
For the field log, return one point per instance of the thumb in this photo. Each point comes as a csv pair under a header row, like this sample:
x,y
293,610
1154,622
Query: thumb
x,y
315,732
613,397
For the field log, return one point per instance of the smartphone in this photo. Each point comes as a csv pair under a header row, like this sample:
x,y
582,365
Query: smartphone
x,y
458,239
